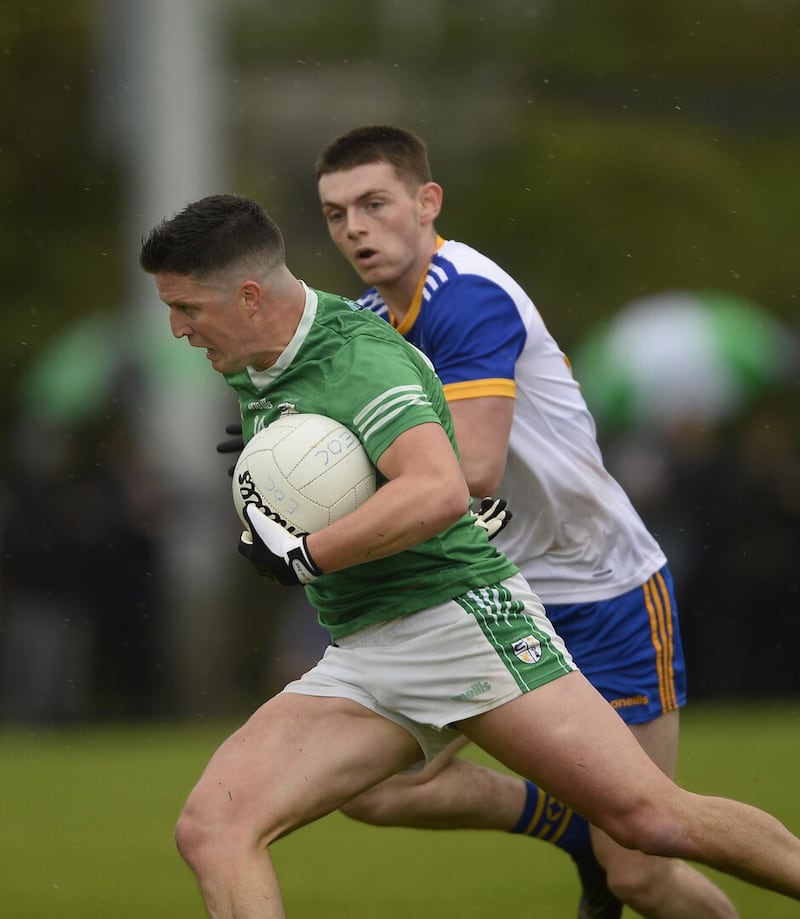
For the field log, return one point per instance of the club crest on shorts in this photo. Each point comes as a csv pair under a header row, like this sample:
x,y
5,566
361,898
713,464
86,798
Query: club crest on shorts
x,y
528,649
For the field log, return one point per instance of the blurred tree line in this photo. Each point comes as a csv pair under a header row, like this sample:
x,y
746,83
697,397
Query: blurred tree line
x,y
599,152
60,194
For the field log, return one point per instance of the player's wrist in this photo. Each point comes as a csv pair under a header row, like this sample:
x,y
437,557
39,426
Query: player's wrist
x,y
275,552
302,562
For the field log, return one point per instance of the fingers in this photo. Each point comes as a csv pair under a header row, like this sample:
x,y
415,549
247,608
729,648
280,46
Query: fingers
x,y
236,443
230,446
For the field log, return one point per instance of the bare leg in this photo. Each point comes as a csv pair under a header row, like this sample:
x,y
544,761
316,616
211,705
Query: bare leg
x,y
567,739
449,793
452,793
296,759
660,888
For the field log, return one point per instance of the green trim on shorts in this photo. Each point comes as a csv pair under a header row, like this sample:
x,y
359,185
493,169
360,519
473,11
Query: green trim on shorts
x,y
526,650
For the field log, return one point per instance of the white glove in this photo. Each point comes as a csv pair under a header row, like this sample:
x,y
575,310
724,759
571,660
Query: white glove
x,y
275,552
492,515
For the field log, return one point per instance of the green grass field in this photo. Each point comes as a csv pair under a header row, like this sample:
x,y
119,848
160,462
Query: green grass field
x,y
87,816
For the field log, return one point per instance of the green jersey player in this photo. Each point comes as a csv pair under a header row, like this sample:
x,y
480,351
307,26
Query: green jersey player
x,y
359,371
456,642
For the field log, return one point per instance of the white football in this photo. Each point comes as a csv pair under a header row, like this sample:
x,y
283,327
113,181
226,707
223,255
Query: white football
x,y
303,470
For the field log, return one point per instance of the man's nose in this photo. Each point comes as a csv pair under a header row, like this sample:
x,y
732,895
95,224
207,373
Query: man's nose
x,y
178,324
355,222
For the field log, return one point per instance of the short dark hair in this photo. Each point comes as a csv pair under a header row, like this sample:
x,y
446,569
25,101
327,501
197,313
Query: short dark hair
x,y
210,235
402,149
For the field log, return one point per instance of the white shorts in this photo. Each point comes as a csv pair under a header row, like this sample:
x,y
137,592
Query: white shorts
x,y
429,670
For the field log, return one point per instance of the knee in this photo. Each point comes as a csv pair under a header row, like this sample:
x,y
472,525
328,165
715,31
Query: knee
x,y
633,832
212,848
640,881
193,837
202,834
636,872
650,828
209,837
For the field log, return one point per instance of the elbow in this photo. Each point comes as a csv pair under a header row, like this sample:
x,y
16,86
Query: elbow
x,y
451,504
483,471
484,482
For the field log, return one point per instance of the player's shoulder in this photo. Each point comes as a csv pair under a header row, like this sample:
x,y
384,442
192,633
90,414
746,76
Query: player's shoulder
x,y
457,261
462,257
344,315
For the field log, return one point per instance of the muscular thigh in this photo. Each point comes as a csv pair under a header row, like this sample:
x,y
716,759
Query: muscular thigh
x,y
298,758
659,739
567,739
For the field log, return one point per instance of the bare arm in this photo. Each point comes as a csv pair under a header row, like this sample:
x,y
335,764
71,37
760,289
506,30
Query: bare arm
x,y
483,427
425,494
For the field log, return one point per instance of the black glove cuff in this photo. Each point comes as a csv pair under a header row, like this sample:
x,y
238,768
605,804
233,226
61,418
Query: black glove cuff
x,y
302,563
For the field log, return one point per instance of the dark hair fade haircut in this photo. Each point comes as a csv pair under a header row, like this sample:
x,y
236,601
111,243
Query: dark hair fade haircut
x,y
402,149
210,235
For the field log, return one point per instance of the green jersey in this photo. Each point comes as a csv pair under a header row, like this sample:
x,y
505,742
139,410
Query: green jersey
x,y
348,364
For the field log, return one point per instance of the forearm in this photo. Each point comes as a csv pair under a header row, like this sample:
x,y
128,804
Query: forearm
x,y
483,428
424,493
398,516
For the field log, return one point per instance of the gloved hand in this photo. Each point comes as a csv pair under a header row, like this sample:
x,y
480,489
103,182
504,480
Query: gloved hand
x,y
275,552
492,515
234,445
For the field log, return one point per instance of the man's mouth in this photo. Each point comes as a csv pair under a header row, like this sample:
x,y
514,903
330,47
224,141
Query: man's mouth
x,y
365,254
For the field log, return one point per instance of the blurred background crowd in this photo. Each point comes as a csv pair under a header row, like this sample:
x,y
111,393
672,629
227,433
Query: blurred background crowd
x,y
633,165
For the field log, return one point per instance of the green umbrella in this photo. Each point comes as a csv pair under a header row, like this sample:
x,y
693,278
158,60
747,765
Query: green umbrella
x,y
74,378
680,357
71,380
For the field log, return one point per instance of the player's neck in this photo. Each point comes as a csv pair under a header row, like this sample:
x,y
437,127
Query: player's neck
x,y
278,325
399,296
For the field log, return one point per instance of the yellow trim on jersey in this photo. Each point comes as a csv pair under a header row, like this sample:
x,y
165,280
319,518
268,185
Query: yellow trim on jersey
x,y
659,609
416,302
473,389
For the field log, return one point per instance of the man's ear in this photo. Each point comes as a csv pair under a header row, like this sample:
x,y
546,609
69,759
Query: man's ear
x,y
429,199
250,292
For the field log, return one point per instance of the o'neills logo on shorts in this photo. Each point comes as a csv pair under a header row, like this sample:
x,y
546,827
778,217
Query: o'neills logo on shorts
x,y
528,649
630,701
477,689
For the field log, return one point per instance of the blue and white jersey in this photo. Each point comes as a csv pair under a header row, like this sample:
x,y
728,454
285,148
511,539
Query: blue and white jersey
x,y
575,535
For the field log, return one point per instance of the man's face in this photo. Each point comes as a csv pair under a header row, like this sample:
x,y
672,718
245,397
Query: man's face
x,y
209,316
382,227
